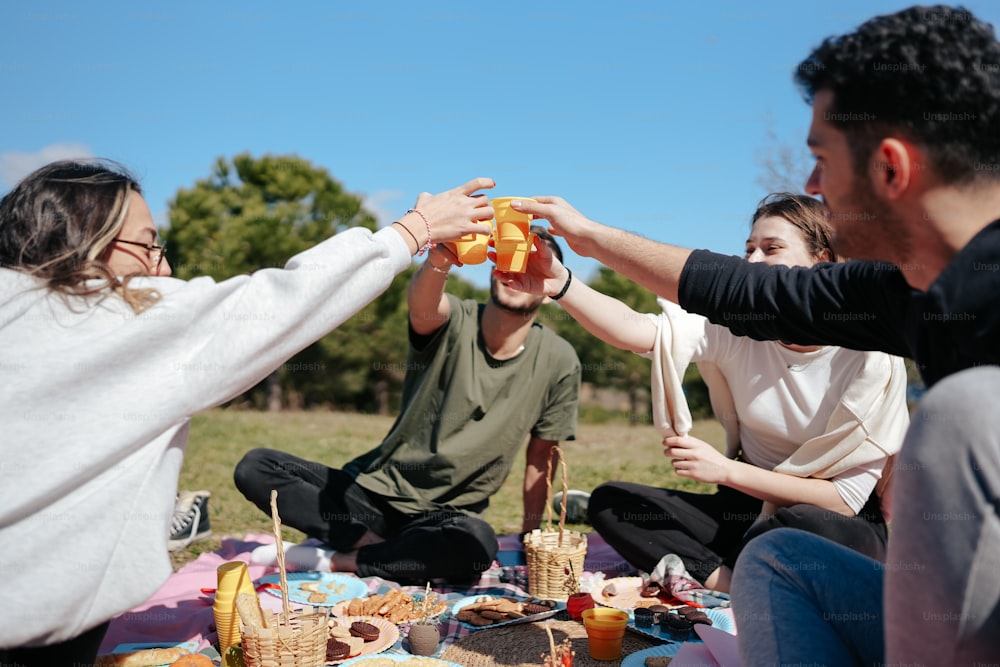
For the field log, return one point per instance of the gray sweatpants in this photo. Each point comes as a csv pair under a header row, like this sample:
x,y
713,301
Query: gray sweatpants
x,y
799,599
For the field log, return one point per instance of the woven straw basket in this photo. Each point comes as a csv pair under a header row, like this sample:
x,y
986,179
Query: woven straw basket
x,y
299,643
290,638
554,557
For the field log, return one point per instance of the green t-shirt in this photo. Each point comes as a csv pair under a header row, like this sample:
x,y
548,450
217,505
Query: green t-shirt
x,y
465,415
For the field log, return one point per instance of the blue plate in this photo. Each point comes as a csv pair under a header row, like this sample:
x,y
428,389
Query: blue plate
x,y
719,620
638,659
336,585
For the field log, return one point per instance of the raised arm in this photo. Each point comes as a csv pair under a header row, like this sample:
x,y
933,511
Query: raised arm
x,y
605,317
429,308
655,266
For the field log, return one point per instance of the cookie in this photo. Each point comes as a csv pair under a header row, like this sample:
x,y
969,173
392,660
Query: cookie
x,y
366,631
480,620
336,649
650,590
658,661
530,608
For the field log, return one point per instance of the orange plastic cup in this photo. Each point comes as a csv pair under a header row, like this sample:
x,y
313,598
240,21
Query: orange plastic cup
x,y
512,256
471,248
605,631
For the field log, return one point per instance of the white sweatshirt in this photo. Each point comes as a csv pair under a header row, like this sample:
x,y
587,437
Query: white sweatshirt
x,y
94,414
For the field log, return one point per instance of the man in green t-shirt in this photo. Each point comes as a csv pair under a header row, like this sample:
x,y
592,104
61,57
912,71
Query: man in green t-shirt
x,y
480,378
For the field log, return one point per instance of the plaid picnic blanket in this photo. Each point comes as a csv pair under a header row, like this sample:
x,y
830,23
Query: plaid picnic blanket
x,y
179,612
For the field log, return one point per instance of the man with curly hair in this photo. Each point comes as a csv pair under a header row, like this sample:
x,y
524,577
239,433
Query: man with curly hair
x,y
906,112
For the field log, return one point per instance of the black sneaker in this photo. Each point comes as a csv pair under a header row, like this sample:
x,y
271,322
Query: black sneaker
x,y
190,521
576,505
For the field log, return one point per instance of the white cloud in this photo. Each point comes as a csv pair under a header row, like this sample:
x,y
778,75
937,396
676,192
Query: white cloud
x,y
15,165
379,204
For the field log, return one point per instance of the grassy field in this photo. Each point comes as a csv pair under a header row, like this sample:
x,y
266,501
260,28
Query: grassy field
x,y
219,439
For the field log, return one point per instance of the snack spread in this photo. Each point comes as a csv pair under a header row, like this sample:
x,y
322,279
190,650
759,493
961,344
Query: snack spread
x,y
396,606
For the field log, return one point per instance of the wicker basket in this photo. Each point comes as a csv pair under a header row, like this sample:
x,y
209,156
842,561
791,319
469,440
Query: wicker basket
x,y
300,643
289,638
554,558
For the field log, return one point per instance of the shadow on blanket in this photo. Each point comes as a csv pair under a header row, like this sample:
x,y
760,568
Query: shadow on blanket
x,y
179,612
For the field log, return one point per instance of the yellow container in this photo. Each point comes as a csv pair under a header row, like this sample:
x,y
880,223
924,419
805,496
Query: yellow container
x,y
471,248
511,224
233,579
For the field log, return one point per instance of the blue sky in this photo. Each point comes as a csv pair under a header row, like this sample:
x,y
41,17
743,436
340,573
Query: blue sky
x,y
650,116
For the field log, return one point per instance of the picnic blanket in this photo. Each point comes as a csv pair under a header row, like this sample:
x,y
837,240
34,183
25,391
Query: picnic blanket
x,y
179,612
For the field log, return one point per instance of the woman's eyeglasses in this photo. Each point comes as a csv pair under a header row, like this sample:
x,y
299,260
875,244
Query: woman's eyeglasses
x,y
156,252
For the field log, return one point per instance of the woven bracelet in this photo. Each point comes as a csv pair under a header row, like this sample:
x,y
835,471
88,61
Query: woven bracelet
x,y
562,292
429,244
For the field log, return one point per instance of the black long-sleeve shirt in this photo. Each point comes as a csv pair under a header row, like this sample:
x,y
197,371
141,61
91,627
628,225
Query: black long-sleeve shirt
x,y
861,305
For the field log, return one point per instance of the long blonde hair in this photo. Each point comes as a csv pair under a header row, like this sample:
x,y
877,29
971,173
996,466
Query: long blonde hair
x,y
59,223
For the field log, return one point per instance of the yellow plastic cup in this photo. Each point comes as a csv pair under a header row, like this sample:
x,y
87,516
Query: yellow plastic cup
x,y
233,579
605,631
471,248
511,224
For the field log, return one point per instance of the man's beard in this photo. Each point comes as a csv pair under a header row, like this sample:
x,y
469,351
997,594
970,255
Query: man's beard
x,y
875,232
524,311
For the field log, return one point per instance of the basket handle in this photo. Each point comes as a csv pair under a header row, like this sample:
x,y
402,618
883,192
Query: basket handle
x,y
548,492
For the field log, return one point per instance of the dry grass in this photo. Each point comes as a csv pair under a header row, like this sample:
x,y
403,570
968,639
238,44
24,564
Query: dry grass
x,y
219,438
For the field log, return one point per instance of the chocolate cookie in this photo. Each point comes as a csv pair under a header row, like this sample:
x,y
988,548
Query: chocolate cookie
x,y
650,590
530,608
336,649
366,631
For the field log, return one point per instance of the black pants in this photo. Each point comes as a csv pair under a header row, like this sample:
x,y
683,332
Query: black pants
x,y
77,652
327,504
643,523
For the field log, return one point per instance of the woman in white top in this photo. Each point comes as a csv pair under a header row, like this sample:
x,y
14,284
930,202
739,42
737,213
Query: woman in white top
x,y
810,430
112,357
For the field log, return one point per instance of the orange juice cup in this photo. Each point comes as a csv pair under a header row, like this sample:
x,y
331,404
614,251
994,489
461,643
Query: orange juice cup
x,y
605,631
234,578
512,225
471,248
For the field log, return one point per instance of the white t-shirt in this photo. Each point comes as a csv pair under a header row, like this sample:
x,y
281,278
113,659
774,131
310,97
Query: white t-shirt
x,y
784,398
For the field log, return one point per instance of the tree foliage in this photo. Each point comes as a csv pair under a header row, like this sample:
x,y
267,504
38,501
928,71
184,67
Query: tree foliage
x,y
253,213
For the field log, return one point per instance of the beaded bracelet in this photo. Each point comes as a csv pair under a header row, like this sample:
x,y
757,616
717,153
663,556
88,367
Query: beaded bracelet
x,y
429,244
436,269
412,235
562,292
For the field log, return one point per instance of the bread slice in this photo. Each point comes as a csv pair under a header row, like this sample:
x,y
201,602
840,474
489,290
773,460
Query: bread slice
x,y
149,657
248,606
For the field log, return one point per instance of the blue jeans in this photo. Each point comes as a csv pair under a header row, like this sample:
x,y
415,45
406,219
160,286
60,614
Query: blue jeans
x,y
799,599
